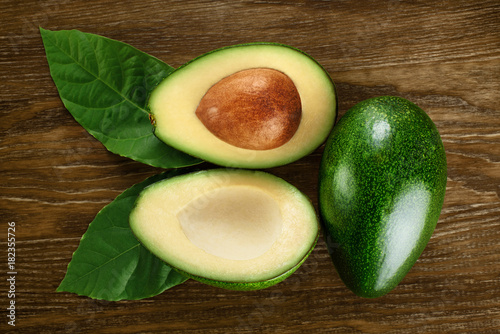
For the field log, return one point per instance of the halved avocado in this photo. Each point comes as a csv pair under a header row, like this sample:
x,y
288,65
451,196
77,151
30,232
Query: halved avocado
x,y
234,229
252,105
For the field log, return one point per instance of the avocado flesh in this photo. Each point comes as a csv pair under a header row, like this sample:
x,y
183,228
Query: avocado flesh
x,y
234,229
174,102
234,222
381,188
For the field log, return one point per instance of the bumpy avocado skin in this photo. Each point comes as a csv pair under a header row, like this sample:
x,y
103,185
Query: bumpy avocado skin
x,y
382,183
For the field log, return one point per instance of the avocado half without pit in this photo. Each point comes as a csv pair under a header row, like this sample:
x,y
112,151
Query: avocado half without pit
x,y
252,106
234,229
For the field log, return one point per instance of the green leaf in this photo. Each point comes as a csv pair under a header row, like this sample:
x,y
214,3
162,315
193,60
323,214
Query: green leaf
x,y
110,263
105,85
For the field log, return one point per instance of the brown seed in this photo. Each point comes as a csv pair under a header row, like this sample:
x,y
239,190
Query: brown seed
x,y
258,109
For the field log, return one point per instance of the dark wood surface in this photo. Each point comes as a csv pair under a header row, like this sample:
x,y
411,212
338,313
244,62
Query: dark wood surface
x,y
55,177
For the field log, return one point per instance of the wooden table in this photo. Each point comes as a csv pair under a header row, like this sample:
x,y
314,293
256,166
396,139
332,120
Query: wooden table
x,y
55,177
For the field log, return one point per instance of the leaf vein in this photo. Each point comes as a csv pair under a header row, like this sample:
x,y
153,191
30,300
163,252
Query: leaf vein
x,y
103,264
97,76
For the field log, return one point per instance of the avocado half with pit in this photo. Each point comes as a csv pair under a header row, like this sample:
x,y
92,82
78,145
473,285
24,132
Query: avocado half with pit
x,y
234,229
252,106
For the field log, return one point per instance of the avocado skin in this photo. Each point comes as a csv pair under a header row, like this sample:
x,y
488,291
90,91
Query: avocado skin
x,y
382,183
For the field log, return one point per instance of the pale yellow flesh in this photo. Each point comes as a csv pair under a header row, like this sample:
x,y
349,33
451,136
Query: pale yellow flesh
x,y
227,226
235,222
175,100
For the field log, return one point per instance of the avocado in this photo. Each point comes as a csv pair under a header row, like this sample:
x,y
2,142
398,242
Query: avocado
x,y
382,183
256,105
230,228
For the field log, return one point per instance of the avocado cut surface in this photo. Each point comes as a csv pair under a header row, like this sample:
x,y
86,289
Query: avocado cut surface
x,y
235,222
234,229
381,189
252,105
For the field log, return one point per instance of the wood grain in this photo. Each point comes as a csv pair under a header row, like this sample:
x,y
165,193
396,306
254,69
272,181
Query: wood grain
x,y
55,177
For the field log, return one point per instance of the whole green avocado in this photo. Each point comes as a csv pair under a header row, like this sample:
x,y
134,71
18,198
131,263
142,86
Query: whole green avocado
x,y
382,183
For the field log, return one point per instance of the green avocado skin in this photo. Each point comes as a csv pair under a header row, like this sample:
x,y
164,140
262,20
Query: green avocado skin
x,y
382,183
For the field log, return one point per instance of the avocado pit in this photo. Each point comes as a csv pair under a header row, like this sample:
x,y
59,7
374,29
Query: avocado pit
x,y
257,109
